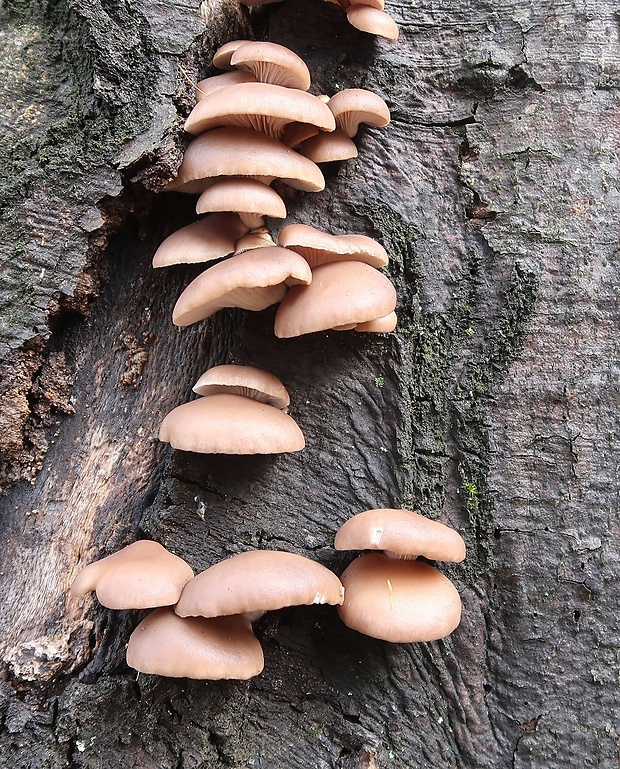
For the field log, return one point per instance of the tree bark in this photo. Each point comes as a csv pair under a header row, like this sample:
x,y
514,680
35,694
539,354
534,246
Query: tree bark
x,y
493,407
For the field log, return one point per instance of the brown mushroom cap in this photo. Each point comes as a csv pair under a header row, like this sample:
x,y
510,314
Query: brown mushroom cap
x,y
341,294
382,325
207,86
234,151
259,385
328,147
272,63
401,532
210,238
252,280
140,576
249,198
163,644
398,601
356,105
259,581
261,106
319,247
230,424
223,55
376,22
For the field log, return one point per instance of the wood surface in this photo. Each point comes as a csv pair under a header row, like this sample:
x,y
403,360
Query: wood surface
x,y
492,408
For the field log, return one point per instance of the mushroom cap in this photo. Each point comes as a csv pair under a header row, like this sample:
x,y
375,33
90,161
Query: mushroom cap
x,y
244,196
398,601
272,63
252,382
203,241
164,644
357,105
235,151
223,55
382,325
252,280
341,294
207,86
318,247
328,147
140,576
296,133
376,22
401,532
261,106
230,424
258,581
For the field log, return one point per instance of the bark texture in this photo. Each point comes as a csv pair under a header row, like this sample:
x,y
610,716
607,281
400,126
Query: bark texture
x,y
493,407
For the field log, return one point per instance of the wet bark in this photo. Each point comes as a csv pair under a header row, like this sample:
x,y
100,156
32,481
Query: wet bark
x,y
492,407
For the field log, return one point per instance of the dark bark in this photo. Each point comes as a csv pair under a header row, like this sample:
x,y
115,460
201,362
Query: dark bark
x,y
493,407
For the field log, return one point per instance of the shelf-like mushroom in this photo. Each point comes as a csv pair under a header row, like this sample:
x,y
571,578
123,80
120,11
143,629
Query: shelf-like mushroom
x,y
372,20
272,63
211,238
250,199
209,85
251,382
357,105
318,247
328,147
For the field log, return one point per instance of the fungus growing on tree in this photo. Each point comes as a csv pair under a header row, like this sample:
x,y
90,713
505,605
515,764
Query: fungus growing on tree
x,y
250,199
251,382
318,247
203,241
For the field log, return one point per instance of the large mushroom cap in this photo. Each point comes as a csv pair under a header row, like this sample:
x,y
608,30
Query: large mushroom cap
x,y
260,106
252,280
398,601
259,581
230,424
272,63
371,20
163,644
210,238
342,294
259,385
401,532
356,105
234,151
319,247
140,576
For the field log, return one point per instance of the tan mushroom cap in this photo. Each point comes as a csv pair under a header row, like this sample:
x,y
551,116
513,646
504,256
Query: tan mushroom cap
x,y
211,238
381,325
223,55
296,133
357,105
272,63
319,247
328,147
257,238
234,151
163,644
341,294
252,382
261,106
259,581
140,576
230,424
252,280
207,86
402,533
376,22
398,601
249,198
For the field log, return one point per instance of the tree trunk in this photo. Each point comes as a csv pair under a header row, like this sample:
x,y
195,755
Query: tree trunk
x,y
492,407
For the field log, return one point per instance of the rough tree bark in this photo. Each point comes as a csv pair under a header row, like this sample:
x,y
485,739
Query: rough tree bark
x,y
493,407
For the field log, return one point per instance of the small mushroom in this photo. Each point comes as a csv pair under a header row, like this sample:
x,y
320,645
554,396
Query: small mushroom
x,y
207,86
272,63
234,151
357,105
250,199
369,19
379,325
206,240
341,295
257,581
251,382
230,424
252,280
223,55
318,247
261,106
328,147
164,644
140,576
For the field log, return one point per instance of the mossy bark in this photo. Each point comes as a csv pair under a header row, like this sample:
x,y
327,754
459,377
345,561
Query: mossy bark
x,y
492,407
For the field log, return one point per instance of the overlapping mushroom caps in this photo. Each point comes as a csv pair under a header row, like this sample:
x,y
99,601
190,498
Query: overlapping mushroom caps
x,y
389,596
241,412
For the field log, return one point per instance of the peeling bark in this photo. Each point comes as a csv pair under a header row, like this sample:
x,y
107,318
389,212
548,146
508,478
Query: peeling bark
x,y
492,407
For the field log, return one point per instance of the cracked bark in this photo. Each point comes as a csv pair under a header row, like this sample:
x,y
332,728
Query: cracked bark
x,y
492,407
